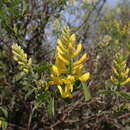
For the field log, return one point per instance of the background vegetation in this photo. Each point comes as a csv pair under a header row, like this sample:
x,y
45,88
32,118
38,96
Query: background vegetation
x,y
27,101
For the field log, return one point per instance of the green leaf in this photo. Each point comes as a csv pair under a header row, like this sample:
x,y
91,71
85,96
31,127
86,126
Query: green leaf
x,y
43,67
87,92
18,76
3,109
125,95
50,109
24,7
119,93
107,92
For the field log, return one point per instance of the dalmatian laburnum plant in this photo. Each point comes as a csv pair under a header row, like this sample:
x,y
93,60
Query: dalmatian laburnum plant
x,y
67,69
20,56
120,71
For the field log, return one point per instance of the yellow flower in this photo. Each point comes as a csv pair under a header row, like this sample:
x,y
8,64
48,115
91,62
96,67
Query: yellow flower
x,y
114,81
61,45
120,71
65,93
63,59
73,39
77,69
126,81
78,50
20,56
55,70
81,60
56,80
59,50
84,77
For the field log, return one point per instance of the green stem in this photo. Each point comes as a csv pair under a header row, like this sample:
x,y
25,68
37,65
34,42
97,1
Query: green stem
x,y
87,93
70,66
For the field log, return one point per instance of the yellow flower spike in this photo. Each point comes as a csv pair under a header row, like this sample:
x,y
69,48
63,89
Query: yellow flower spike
x,y
120,71
20,56
66,69
81,60
125,82
78,50
55,70
84,77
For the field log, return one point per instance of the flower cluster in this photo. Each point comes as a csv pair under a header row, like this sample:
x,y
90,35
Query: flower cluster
x,y
120,71
21,57
67,69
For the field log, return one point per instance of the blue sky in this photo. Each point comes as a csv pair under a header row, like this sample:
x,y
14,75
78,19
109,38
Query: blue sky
x,y
112,2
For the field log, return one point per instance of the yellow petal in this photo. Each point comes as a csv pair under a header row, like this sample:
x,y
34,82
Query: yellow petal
x,y
63,59
59,50
73,39
55,70
70,49
60,65
114,80
64,93
78,50
125,74
69,87
61,90
25,70
61,45
57,80
115,71
71,78
126,81
81,60
68,90
84,77
30,61
78,69
51,82
67,81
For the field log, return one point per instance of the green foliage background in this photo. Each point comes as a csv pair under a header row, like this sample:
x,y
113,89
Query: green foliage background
x,y
26,100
